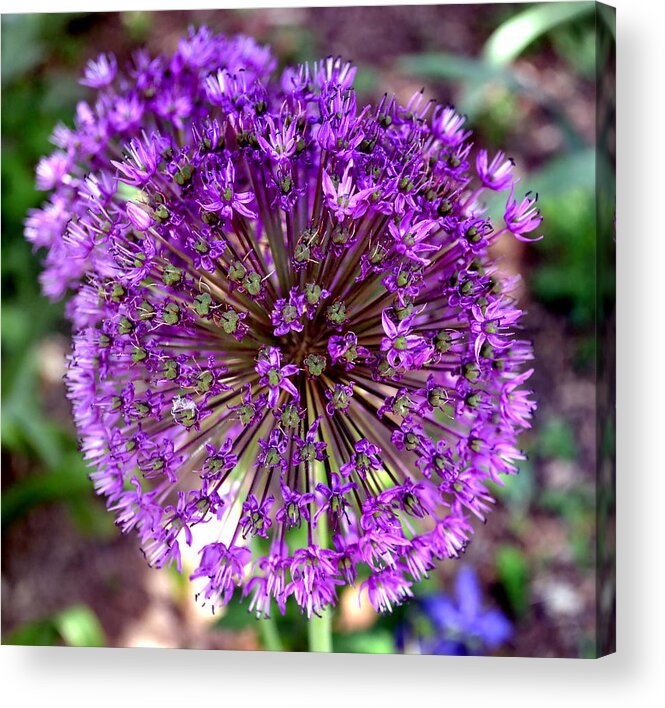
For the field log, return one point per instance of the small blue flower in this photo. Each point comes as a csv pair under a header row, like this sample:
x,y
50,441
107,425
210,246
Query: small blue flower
x,y
462,626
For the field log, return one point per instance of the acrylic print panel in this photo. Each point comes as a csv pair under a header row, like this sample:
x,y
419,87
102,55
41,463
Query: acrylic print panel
x,y
317,306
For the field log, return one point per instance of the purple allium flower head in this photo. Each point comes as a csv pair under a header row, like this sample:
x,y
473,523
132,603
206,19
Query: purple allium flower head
x,y
287,321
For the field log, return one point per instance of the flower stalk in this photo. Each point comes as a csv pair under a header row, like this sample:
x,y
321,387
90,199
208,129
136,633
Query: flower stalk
x,y
319,633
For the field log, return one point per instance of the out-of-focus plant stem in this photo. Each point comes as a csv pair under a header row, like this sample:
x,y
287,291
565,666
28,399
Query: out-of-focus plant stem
x,y
270,635
319,629
319,633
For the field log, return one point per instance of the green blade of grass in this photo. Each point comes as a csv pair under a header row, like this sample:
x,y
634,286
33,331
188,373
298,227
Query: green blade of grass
x,y
511,38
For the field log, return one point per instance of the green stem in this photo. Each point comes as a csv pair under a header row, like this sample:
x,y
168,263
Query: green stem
x,y
319,629
319,633
270,635
268,631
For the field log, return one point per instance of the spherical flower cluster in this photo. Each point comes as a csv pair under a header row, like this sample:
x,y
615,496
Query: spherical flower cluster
x,y
289,333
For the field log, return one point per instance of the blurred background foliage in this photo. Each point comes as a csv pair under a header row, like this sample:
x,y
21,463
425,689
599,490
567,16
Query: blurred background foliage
x,y
525,76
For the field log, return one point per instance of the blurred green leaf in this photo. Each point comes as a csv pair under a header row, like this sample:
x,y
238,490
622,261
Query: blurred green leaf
x,y
79,627
236,616
24,425
571,503
378,641
62,90
577,45
27,430
556,438
366,81
577,507
513,573
564,277
519,490
90,516
441,65
16,327
27,427
574,170
33,634
476,76
76,626
67,481
511,38
22,48
138,23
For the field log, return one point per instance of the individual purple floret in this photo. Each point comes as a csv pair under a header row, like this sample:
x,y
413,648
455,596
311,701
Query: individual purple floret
x,y
287,322
522,218
496,175
101,72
